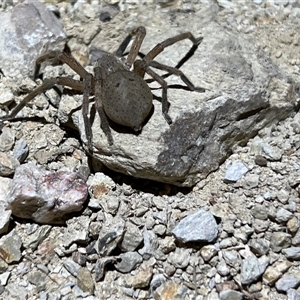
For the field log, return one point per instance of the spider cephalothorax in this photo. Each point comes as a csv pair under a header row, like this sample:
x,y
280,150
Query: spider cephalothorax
x,y
121,94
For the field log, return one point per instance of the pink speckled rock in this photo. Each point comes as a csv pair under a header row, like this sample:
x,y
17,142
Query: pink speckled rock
x,y
46,197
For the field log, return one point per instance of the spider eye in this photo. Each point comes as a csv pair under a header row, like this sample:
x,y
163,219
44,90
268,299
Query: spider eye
x,y
117,85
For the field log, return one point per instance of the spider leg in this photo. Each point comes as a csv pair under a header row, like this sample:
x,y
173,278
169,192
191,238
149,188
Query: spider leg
x,y
87,82
66,58
48,84
142,65
139,33
99,105
169,42
120,51
177,72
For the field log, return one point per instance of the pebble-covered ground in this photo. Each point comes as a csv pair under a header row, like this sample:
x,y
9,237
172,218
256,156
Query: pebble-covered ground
x,y
136,239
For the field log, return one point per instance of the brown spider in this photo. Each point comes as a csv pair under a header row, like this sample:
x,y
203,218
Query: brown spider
x,y
120,94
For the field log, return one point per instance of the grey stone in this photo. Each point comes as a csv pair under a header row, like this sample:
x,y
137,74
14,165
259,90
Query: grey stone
x,y
77,230
17,291
129,261
133,237
110,204
157,280
283,196
109,236
223,269
259,246
272,153
10,247
7,139
79,258
8,164
260,225
26,40
235,171
200,226
159,202
4,278
42,268
292,294
213,295
296,238
281,2
280,240
232,258
79,293
146,251
21,150
227,242
283,215
259,212
292,253
71,266
286,282
250,181
46,197
85,280
5,212
167,244
230,295
159,229
6,95
37,278
180,258
208,251
37,237
251,269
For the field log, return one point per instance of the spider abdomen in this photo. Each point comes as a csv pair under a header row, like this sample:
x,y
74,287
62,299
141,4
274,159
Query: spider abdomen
x,y
127,99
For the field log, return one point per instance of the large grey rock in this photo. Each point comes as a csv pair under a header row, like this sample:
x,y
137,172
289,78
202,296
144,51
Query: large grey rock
x,y
27,31
46,197
246,90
